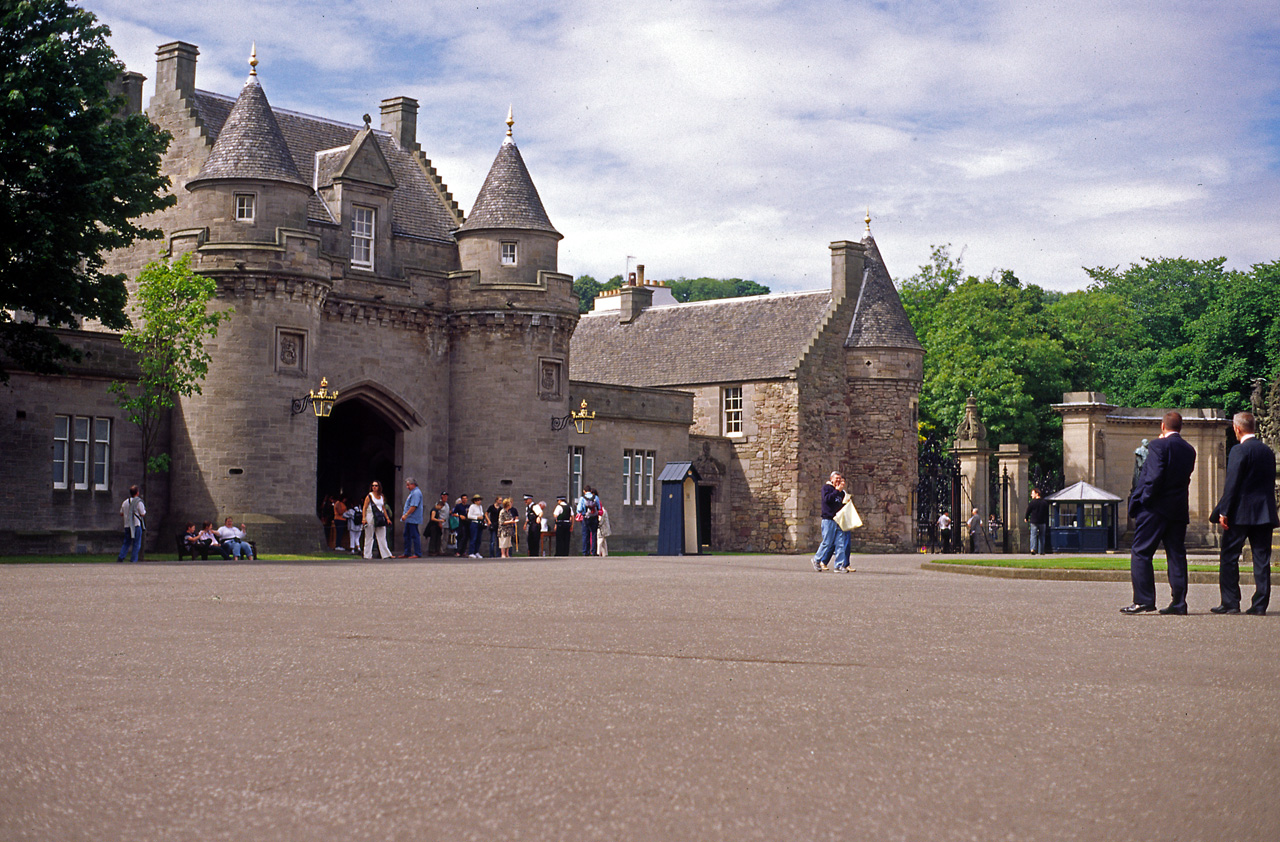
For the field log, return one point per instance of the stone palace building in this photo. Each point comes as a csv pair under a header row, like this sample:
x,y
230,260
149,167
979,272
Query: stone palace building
x,y
457,351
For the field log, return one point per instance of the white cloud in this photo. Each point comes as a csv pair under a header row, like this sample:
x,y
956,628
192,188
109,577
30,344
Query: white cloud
x,y
738,139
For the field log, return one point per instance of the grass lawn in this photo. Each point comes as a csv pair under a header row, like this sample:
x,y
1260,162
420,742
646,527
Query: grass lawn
x,y
1069,563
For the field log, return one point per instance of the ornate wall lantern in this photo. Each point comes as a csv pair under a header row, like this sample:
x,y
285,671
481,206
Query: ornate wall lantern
x,y
321,401
581,418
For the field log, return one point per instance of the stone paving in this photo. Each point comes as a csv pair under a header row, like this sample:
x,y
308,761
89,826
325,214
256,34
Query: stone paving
x,y
638,698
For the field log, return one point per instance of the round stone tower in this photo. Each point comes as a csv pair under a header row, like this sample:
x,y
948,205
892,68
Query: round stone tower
x,y
512,315
237,449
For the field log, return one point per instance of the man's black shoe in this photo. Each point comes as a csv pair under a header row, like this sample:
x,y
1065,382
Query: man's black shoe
x,y
1257,612
1224,609
1137,609
1172,610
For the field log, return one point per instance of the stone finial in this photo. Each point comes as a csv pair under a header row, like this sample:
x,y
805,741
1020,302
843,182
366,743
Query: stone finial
x,y
368,121
868,221
253,59
971,431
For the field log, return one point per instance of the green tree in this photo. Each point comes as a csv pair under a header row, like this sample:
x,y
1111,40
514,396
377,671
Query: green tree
x,y
74,177
587,288
1236,339
1193,334
924,291
175,323
711,289
992,337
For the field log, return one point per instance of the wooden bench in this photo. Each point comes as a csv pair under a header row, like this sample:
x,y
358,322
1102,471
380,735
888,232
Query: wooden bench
x,y
203,549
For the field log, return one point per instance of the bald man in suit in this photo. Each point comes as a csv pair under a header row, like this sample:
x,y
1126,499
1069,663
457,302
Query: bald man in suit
x,y
1160,508
1247,510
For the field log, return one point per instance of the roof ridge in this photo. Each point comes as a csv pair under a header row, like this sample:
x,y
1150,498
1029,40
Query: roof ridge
x,y
327,120
735,299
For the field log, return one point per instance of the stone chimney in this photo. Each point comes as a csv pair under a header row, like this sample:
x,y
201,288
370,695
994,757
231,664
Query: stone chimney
x,y
633,301
176,68
848,263
400,119
129,85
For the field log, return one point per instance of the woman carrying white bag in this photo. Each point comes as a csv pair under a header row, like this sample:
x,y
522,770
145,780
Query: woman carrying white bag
x,y
847,520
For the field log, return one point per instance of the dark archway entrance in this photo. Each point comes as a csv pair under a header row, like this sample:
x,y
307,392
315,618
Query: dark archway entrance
x,y
356,446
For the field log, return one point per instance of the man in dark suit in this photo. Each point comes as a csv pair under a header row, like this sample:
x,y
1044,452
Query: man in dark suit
x,y
1160,510
1247,510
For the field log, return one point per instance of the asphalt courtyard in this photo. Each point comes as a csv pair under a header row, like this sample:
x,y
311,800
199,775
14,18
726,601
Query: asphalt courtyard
x,y
717,697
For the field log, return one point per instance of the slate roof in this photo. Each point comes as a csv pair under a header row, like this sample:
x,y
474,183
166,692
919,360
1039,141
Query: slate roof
x,y
508,198
881,320
417,210
760,337
250,144
733,339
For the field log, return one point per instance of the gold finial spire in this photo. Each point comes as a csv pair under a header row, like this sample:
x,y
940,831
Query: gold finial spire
x,y
253,60
511,121
868,219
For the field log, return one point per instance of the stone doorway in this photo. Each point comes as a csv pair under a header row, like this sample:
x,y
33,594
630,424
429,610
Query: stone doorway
x,y
356,446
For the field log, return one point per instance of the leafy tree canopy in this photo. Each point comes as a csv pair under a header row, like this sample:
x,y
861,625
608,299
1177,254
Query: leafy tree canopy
x,y
683,289
991,337
75,176
587,288
710,289
1164,332
174,324
1194,334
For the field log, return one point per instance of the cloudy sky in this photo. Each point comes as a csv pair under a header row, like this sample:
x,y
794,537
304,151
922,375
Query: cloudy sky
x,y
737,139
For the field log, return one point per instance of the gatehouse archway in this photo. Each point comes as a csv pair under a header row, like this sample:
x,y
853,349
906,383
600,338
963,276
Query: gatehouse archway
x,y
356,445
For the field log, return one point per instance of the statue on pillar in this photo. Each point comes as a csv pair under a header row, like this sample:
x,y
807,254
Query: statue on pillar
x,y
1266,409
971,432
1139,459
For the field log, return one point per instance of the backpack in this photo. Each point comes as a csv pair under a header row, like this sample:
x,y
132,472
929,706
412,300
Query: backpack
x,y
358,518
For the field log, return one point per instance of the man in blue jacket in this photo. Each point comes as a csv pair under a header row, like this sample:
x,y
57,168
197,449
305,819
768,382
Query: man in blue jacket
x,y
1247,510
1159,507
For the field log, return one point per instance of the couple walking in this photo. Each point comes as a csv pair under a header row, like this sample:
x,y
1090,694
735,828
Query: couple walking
x,y
839,518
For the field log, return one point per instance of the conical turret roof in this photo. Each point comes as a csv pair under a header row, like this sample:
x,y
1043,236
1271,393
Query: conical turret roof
x,y
880,320
508,198
250,144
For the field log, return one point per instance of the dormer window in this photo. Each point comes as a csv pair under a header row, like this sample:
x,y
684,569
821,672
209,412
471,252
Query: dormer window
x,y
508,254
362,228
244,207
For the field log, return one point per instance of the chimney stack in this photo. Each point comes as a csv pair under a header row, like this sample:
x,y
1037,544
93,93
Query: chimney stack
x,y
848,262
176,68
400,119
632,301
129,85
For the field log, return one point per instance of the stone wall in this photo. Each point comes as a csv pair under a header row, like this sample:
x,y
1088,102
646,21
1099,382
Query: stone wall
x,y
509,377
635,419
881,461
1098,444
35,517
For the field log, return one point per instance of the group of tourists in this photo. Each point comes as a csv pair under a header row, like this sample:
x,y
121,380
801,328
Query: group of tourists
x,y
466,527
227,540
